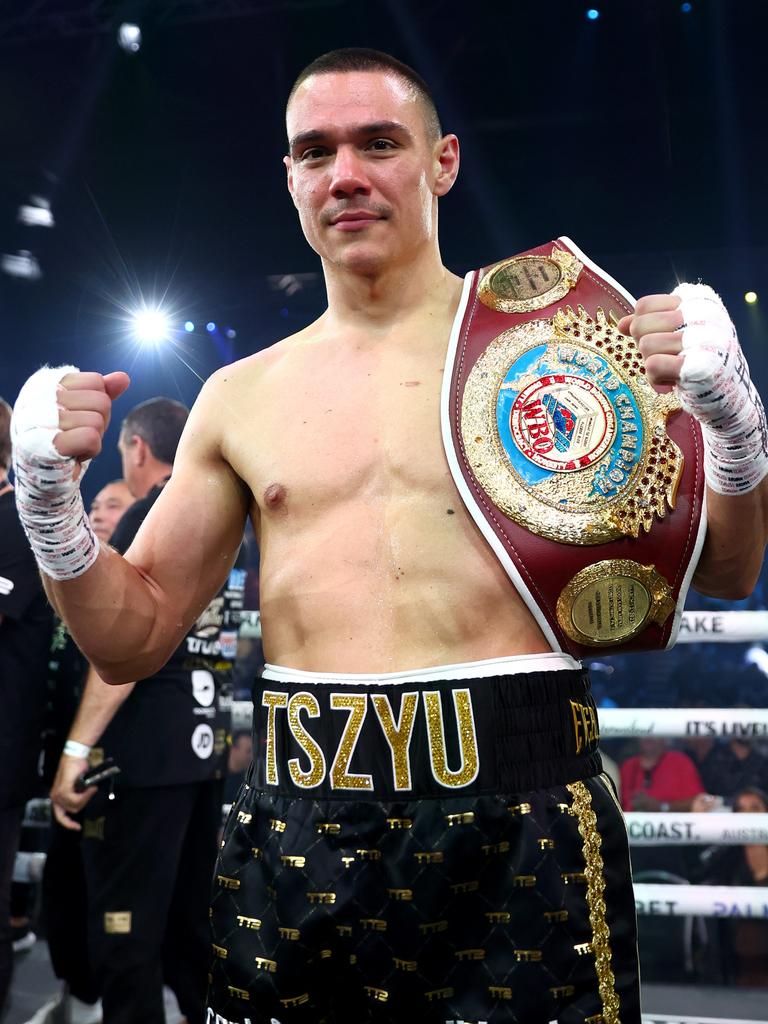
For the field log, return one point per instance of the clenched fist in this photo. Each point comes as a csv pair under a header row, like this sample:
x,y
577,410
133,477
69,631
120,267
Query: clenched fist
x,y
85,406
656,327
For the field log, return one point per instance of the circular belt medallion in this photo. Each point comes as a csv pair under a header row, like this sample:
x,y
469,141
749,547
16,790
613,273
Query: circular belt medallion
x,y
611,601
525,283
565,434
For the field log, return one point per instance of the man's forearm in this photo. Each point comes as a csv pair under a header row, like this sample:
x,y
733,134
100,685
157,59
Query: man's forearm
x,y
733,551
98,706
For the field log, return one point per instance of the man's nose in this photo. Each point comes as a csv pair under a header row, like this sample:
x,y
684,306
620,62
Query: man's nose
x,y
349,173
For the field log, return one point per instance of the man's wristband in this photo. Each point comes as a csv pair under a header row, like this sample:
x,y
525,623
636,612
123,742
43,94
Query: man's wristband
x,y
74,749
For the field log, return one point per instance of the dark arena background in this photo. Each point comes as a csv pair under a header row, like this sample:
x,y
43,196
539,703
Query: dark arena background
x,y
140,171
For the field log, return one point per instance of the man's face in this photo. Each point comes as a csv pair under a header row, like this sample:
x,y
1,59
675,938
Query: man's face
x,y
129,452
749,803
107,508
362,170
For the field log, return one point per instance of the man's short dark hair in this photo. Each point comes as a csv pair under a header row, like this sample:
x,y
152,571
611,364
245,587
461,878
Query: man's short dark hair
x,y
159,422
5,436
360,58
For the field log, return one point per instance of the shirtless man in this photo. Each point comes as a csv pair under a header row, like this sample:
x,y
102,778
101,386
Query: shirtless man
x,y
364,875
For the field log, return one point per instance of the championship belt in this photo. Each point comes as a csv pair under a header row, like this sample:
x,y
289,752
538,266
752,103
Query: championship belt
x,y
587,483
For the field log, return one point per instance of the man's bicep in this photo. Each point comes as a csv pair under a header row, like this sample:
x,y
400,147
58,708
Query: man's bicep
x,y
187,544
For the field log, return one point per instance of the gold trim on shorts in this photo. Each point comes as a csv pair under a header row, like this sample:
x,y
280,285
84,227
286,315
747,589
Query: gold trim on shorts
x,y
601,935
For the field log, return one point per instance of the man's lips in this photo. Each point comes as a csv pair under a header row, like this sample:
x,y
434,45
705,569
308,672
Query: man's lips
x,y
354,221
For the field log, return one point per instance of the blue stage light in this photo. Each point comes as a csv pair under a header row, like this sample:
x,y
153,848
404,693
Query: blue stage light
x,y
189,327
210,327
593,14
686,8
231,333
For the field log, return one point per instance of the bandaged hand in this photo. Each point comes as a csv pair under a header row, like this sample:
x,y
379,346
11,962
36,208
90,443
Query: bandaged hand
x,y
687,340
58,424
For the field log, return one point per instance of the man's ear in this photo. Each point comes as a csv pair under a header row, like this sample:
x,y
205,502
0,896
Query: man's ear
x,y
141,449
447,162
289,176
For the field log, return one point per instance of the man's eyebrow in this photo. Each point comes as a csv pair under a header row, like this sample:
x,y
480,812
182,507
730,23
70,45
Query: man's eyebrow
x,y
374,128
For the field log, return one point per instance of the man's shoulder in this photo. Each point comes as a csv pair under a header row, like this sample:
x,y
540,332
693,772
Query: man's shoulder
x,y
253,368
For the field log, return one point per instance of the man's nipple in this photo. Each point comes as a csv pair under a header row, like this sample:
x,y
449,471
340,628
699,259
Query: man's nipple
x,y
274,496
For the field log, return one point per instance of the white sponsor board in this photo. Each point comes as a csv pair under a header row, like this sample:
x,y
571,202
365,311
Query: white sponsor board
x,y
749,723
732,901
721,829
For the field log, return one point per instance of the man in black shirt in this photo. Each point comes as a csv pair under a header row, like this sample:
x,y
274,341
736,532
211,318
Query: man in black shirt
x,y
149,848
25,628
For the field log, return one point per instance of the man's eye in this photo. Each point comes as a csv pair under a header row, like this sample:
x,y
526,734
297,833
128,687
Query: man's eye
x,y
381,144
313,154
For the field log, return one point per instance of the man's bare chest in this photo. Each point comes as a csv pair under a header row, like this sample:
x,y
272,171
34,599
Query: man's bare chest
x,y
366,429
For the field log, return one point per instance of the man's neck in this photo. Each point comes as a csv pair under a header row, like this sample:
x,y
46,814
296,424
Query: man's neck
x,y
382,300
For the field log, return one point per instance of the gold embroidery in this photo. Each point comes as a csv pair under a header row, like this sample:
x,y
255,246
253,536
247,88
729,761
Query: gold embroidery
x,y
344,929
573,877
321,897
519,808
400,894
465,887
469,954
498,916
398,736
346,861
439,993
601,935
119,922
546,844
357,706
248,922
244,817
369,854
555,915
327,828
433,927
379,994
373,924
524,881
228,883
470,760
293,862
93,828
427,857
404,965
272,700
528,956
292,934
289,1001
265,965
464,818
489,848
276,825
499,992
238,993
316,772
399,822
220,952
562,991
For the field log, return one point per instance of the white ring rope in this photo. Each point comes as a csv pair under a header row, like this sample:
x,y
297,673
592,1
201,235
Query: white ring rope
x,y
678,900
723,627
655,1018
708,829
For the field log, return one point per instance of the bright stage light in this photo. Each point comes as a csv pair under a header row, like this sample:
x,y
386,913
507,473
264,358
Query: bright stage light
x,y
189,326
210,327
686,8
129,37
231,333
151,326
593,14
750,298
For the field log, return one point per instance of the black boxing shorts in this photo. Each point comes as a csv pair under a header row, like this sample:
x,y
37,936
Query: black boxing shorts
x,y
430,850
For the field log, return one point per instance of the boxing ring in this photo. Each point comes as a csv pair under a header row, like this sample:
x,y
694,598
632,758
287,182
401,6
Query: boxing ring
x,y
678,899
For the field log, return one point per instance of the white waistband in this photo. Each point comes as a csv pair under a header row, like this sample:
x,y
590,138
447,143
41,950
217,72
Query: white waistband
x,y
547,662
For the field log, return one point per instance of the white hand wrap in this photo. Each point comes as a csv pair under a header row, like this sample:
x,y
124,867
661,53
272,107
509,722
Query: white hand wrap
x,y
47,495
716,388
